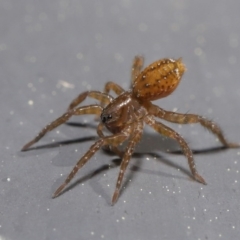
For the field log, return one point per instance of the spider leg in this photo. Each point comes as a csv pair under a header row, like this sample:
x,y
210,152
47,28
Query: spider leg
x,y
107,88
192,118
102,97
91,109
166,131
136,67
135,138
109,140
111,148
114,87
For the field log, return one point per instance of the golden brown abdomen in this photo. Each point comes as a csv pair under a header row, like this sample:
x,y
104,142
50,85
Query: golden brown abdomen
x,y
159,79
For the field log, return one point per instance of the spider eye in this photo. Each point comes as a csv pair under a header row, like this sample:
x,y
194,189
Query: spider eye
x,y
105,118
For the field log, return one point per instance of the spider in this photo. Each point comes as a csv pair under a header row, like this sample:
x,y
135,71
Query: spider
x,y
125,116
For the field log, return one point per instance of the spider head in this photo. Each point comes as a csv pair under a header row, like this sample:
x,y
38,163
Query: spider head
x,y
112,120
105,117
116,115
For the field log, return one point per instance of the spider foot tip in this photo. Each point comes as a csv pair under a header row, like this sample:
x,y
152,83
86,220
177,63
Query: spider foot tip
x,y
27,145
115,197
24,148
56,194
200,179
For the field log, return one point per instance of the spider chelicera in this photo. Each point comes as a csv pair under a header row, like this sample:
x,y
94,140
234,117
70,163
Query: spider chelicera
x,y
125,116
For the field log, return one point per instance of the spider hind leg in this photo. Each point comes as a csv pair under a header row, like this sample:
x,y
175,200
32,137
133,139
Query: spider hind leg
x,y
166,131
193,118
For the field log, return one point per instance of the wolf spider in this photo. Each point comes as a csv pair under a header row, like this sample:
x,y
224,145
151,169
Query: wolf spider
x,y
125,116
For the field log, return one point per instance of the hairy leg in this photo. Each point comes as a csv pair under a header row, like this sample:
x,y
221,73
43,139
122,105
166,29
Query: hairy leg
x,y
114,87
166,131
114,140
102,97
134,139
111,148
136,67
91,109
107,88
192,118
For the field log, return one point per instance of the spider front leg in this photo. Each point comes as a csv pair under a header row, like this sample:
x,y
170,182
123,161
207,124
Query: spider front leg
x,y
107,88
102,97
114,87
111,148
166,131
92,109
110,140
135,138
192,118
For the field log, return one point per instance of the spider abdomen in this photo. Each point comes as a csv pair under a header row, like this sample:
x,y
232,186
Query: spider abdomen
x,y
159,79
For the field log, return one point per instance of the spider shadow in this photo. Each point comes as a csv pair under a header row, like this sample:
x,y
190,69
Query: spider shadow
x,y
57,144
154,142
150,145
130,175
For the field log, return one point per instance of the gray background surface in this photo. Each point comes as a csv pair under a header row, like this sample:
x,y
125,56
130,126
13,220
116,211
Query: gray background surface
x,y
50,51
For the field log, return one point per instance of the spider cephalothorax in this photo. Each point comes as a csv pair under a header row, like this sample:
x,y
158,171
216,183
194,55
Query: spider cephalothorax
x,y
125,115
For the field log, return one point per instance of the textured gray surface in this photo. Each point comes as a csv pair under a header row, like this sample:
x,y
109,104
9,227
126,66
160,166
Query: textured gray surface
x,y
52,50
